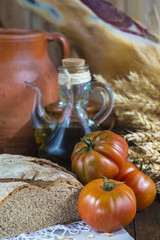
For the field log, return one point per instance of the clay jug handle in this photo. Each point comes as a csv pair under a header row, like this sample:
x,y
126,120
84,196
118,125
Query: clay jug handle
x,y
108,101
63,42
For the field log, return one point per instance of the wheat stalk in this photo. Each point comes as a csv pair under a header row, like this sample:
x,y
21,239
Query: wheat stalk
x,y
142,136
137,109
140,120
139,101
158,186
133,85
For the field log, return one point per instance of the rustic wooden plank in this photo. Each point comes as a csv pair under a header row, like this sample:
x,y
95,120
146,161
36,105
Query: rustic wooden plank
x,y
1,23
145,226
144,12
54,49
154,17
147,223
13,15
131,229
134,8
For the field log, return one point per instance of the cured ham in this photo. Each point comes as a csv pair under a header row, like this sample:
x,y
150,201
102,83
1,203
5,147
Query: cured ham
x,y
107,38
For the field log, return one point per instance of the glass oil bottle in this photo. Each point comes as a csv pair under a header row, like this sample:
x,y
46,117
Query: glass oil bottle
x,y
75,89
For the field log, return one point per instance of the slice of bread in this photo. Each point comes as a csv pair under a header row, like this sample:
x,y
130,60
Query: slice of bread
x,y
34,194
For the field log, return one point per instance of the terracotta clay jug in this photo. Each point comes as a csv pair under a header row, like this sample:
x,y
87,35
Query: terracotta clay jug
x,y
24,57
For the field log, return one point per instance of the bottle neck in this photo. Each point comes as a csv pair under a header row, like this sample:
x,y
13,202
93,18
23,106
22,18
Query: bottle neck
x,y
75,99
75,90
77,95
74,84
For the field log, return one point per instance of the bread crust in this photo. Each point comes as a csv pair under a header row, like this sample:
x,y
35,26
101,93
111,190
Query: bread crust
x,y
29,176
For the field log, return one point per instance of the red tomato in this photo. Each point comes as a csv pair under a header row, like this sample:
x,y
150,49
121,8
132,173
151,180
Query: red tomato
x,y
142,185
99,154
105,209
129,167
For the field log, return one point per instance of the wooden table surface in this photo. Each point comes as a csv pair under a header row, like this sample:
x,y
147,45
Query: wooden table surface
x,y
146,225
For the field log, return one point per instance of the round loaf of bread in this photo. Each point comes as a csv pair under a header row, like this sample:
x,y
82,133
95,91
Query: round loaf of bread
x,y
34,194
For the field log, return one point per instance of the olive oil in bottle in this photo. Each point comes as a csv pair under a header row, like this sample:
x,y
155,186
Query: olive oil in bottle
x,y
59,147
41,134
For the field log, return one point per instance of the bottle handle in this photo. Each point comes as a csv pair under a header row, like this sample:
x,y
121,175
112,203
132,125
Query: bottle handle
x,y
63,42
107,107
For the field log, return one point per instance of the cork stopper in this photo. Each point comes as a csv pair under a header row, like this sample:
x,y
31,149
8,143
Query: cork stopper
x,y
73,62
73,71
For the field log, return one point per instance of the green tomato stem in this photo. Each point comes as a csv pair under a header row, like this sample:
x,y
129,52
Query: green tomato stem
x,y
146,169
89,143
109,187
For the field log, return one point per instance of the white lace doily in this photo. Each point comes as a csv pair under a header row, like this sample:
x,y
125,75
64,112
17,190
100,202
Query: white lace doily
x,y
75,231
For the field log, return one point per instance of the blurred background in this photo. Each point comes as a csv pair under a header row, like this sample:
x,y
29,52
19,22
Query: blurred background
x,y
14,16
